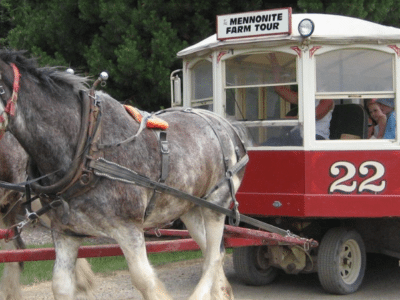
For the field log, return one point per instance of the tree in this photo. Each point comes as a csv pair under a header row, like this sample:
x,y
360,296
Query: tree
x,y
135,41
5,19
380,11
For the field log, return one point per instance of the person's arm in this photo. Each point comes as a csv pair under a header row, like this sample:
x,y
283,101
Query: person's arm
x,y
323,108
287,94
382,120
390,130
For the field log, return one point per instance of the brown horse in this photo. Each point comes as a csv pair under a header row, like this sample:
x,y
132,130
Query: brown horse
x,y
107,183
13,163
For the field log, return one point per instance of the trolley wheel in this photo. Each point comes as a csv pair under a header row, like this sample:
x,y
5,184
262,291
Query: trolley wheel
x,y
252,266
341,261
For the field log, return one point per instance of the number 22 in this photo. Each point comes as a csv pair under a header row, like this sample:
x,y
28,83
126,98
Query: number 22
x,y
350,171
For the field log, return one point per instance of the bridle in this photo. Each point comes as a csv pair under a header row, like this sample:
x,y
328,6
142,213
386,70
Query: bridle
x,y
9,110
77,180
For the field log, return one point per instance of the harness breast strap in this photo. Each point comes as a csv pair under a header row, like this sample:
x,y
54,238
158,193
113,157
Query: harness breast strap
x,y
164,149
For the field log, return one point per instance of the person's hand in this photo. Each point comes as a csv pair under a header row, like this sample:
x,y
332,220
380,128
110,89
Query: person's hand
x,y
381,120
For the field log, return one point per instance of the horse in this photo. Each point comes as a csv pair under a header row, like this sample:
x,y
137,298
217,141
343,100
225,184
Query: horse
x,y
101,172
13,164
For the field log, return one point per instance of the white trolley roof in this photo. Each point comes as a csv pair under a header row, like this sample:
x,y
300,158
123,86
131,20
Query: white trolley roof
x,y
329,29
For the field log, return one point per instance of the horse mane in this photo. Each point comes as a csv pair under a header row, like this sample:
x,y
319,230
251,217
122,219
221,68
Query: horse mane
x,y
49,77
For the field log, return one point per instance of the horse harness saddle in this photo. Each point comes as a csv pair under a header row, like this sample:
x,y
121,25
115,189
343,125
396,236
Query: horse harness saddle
x,y
104,168
89,165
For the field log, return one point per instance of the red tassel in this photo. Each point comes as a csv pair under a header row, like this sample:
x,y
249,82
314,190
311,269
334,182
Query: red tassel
x,y
10,108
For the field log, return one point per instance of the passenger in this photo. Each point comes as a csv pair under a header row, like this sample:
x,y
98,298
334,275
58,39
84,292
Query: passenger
x,y
323,113
378,118
371,128
387,107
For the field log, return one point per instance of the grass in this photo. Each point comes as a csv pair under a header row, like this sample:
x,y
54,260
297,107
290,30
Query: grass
x,y
38,271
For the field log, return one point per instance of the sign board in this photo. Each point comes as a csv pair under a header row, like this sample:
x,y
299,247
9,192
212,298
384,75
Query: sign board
x,y
256,23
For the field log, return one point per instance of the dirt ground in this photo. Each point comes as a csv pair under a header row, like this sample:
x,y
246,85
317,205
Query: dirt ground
x,y
180,278
380,283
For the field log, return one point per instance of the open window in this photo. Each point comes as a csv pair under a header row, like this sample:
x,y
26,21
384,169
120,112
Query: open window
x,y
353,78
251,83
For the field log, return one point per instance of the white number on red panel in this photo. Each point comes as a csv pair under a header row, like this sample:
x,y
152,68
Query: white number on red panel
x,y
347,184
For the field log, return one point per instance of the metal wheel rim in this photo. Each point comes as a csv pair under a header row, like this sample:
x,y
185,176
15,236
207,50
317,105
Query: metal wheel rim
x,y
261,258
350,261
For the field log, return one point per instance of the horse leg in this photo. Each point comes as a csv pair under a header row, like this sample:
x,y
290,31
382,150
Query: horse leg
x,y
206,228
132,243
64,275
10,286
194,223
85,278
10,281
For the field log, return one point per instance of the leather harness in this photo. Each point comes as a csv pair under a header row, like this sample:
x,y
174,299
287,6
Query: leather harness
x,y
89,165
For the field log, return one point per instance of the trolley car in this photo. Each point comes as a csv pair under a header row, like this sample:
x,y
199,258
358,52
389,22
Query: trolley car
x,y
342,190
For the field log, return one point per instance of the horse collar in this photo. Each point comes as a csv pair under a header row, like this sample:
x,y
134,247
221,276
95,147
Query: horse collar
x,y
9,110
77,180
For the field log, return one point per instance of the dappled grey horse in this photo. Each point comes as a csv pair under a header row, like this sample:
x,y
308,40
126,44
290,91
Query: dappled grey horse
x,y
13,163
105,172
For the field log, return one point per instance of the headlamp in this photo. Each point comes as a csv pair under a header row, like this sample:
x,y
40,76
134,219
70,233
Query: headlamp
x,y
306,28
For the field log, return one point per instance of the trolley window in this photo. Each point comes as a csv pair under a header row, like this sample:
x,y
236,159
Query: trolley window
x,y
354,70
251,85
355,79
202,85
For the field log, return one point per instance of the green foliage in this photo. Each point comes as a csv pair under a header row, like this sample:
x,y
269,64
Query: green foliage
x,y
379,11
5,24
137,41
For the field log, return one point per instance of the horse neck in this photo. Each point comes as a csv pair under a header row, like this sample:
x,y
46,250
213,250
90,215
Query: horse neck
x,y
47,126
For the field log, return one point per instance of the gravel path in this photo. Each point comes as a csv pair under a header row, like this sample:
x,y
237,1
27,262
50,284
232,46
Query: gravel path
x,y
180,278
116,285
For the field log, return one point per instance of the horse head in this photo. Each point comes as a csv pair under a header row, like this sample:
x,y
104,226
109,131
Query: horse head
x,y
41,108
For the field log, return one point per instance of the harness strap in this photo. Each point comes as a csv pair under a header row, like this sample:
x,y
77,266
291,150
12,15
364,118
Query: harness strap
x,y
20,187
231,171
130,139
225,151
114,171
164,147
164,150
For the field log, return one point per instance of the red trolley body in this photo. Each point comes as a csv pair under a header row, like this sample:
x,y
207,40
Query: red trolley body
x,y
304,86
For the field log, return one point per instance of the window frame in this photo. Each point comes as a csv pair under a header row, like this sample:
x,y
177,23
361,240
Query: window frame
x,y
359,144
